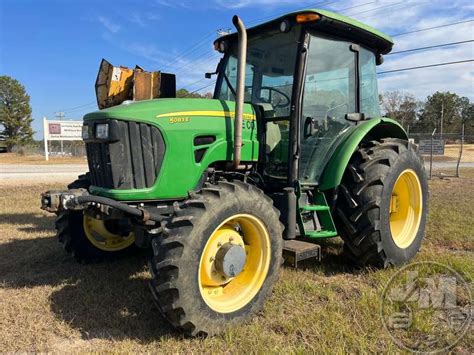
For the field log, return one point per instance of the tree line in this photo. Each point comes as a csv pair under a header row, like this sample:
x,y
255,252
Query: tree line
x,y
446,112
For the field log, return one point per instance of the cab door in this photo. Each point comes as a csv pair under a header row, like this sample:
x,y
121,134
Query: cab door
x,y
329,94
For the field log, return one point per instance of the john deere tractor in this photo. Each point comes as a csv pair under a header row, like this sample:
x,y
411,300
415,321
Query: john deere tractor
x,y
292,149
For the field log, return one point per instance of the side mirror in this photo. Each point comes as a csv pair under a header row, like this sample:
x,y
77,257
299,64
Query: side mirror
x,y
355,117
218,68
310,127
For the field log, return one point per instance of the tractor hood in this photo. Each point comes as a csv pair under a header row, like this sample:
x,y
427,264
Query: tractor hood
x,y
162,148
163,112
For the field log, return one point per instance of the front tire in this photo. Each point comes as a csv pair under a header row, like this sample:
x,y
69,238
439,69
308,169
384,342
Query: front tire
x,y
87,239
382,204
188,283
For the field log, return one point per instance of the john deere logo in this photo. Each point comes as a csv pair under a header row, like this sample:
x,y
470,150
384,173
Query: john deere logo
x,y
426,307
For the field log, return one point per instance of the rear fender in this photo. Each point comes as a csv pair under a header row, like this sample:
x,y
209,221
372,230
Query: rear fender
x,y
374,129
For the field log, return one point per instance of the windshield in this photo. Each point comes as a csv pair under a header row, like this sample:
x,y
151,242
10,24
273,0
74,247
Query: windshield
x,y
271,58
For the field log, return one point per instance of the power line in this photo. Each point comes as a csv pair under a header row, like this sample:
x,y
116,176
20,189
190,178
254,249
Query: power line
x,y
400,5
77,107
354,7
430,47
204,40
426,66
204,87
377,8
194,83
431,28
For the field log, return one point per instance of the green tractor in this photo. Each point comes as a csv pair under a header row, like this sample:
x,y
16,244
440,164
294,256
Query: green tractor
x,y
292,149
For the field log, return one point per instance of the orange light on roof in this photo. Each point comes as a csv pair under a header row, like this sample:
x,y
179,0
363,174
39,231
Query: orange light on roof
x,y
307,17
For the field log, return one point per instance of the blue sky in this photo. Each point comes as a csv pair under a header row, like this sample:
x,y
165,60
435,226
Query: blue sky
x,y
54,47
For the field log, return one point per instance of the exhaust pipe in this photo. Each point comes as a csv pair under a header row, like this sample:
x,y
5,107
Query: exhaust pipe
x,y
240,90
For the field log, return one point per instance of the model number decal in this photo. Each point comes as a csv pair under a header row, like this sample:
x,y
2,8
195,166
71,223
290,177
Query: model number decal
x,y
248,124
179,120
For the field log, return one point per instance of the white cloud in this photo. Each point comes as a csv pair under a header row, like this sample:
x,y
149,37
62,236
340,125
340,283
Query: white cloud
x,y
109,24
137,19
239,4
174,4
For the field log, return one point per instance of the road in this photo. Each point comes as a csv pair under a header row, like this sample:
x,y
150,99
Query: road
x,y
41,173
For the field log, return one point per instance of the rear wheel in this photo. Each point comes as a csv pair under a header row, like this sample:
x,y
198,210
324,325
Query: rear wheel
x,y
217,259
382,204
87,238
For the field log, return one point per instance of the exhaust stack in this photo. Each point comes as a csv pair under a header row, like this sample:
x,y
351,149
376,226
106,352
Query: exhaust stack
x,y
240,90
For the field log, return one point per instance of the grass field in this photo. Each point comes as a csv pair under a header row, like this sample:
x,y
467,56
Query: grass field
x,y
13,158
50,303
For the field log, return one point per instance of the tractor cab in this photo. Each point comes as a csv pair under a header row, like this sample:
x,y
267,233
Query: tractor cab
x,y
312,77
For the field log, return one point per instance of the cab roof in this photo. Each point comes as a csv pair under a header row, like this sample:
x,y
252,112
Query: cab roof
x,y
335,24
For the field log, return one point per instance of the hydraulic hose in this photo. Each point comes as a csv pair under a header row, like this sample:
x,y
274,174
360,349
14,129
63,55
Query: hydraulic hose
x,y
132,211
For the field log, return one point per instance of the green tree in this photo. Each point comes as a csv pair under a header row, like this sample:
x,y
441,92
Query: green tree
x,y
446,112
186,93
400,106
15,113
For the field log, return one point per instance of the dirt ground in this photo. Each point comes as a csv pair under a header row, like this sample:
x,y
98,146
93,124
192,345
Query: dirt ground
x,y
451,153
51,303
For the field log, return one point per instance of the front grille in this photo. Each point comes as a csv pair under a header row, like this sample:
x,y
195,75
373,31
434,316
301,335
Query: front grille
x,y
132,162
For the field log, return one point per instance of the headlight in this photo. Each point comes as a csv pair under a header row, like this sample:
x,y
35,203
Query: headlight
x,y
102,131
85,132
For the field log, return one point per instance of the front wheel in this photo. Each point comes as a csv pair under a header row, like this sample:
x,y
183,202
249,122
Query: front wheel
x,y
90,239
218,258
382,204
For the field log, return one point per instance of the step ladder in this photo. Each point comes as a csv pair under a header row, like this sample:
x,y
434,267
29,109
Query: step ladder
x,y
323,216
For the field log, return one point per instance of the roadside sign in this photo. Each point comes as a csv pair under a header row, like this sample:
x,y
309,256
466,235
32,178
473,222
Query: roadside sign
x,y
60,131
64,130
428,145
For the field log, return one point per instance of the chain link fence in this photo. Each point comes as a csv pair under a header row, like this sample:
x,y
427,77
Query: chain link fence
x,y
447,154
67,149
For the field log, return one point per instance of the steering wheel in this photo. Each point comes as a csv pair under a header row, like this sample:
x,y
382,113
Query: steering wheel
x,y
279,104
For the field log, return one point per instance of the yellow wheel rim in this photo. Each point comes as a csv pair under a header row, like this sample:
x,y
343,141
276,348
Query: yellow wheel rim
x,y
406,206
228,294
101,238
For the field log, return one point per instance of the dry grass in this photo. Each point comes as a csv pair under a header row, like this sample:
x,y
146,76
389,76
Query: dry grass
x,y
50,303
13,158
451,153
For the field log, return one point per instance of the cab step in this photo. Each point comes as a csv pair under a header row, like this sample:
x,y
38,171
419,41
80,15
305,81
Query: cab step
x,y
320,234
295,251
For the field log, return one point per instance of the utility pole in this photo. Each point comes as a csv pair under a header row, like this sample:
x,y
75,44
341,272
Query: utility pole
x,y
60,115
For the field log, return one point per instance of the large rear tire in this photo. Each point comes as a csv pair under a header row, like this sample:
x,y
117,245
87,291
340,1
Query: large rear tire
x,y
382,204
191,288
87,238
